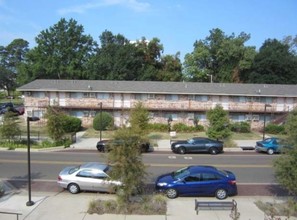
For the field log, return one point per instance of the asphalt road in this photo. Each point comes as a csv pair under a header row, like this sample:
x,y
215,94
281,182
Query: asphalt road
x,y
254,171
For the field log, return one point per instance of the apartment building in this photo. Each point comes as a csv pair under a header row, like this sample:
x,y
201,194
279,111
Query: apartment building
x,y
180,101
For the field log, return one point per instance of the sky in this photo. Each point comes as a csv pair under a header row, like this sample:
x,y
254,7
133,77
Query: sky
x,y
177,23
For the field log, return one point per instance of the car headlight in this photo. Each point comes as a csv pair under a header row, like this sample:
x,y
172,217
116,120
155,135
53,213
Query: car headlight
x,y
161,184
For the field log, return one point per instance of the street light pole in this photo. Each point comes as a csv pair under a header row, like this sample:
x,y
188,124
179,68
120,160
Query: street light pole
x,y
30,202
100,121
266,105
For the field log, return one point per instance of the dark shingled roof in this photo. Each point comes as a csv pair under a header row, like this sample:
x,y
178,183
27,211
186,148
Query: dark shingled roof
x,y
158,87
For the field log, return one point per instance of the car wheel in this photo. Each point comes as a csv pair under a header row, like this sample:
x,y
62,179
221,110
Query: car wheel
x,y
182,150
270,151
73,188
171,193
221,194
213,150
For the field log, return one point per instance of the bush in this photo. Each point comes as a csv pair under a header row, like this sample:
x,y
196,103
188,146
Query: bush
x,y
241,127
181,127
107,121
275,129
71,124
158,127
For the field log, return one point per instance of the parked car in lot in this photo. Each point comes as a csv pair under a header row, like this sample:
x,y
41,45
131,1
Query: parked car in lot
x,y
197,144
271,145
197,181
106,145
9,107
90,176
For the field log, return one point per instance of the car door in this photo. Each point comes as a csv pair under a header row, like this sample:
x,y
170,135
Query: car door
x,y
200,145
102,182
202,184
84,178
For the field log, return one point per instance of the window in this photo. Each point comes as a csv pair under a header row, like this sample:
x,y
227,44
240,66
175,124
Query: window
x,y
266,99
171,97
75,95
86,113
200,116
92,95
239,99
85,173
209,176
151,96
141,96
201,98
38,94
38,113
103,96
172,116
193,178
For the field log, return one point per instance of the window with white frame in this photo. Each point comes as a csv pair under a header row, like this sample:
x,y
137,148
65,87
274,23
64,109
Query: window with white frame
x,y
151,96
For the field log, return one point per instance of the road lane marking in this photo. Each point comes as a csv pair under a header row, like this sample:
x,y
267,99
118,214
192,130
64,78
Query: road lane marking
x,y
188,158
146,164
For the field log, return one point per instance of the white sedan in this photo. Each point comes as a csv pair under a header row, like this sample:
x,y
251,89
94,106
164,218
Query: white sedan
x,y
92,176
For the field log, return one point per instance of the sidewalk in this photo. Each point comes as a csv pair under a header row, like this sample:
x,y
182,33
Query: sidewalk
x,y
161,145
63,205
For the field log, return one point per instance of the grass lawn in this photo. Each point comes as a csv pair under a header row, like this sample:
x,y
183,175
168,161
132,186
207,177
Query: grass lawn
x,y
91,133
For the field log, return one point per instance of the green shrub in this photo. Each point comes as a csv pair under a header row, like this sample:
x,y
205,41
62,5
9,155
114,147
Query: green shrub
x,y
107,121
71,124
181,127
241,127
158,127
275,129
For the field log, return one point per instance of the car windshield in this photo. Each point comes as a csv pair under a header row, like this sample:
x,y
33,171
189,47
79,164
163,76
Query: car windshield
x,y
181,173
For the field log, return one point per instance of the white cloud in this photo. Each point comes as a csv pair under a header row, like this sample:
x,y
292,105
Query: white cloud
x,y
135,5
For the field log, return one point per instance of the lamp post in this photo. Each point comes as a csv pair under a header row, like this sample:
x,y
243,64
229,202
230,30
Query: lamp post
x,y
100,121
30,202
266,105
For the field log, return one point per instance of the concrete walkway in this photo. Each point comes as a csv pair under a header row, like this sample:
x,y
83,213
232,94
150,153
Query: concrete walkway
x,y
63,205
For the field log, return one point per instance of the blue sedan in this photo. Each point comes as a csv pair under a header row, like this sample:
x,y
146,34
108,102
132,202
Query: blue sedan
x,y
270,145
197,181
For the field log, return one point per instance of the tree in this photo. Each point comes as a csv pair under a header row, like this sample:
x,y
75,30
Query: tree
x,y
222,57
218,123
139,119
286,165
11,57
55,124
62,52
274,64
102,121
126,158
10,127
171,68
